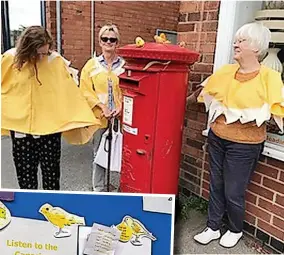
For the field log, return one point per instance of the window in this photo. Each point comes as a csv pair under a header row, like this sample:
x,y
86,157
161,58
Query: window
x,y
171,35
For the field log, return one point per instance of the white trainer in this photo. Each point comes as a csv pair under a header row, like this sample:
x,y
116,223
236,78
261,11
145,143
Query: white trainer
x,y
207,236
230,239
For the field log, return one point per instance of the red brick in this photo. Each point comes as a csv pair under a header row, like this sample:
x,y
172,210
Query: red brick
x,y
250,197
270,229
196,135
280,199
208,58
190,6
196,162
211,37
273,208
202,117
282,176
188,37
195,77
194,16
210,26
201,67
188,150
211,5
196,125
206,166
205,185
256,178
185,27
206,176
277,163
258,190
205,194
207,48
250,218
277,222
266,170
213,15
258,212
274,185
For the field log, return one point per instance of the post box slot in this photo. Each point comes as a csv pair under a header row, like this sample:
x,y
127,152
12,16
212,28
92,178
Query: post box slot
x,y
129,82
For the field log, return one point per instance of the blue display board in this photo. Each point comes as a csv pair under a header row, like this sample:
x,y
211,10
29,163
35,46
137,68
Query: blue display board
x,y
36,212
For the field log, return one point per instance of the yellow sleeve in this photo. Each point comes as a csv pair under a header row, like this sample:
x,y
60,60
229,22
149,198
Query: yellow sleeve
x,y
207,84
86,86
6,65
275,88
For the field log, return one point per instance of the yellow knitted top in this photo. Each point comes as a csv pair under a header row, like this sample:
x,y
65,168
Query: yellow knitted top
x,y
55,105
243,103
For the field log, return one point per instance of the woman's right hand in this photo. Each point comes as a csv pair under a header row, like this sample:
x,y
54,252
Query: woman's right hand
x,y
105,111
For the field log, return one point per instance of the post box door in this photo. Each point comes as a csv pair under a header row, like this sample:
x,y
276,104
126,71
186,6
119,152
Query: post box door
x,y
139,110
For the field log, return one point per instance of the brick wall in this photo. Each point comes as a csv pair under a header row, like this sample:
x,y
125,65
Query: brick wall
x,y
265,196
196,22
198,28
132,18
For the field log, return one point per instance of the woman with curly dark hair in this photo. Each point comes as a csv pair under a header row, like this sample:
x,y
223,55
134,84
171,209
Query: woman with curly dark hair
x,y
40,101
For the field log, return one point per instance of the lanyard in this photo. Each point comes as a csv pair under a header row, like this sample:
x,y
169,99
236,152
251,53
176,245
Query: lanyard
x,y
110,94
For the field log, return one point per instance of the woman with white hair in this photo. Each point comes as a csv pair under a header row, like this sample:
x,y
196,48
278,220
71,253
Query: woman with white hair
x,y
240,99
99,83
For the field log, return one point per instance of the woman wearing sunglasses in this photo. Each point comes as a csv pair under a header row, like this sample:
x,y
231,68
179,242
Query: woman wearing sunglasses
x,y
40,101
99,83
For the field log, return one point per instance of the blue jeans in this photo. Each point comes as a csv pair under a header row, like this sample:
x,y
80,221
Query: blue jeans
x,y
231,167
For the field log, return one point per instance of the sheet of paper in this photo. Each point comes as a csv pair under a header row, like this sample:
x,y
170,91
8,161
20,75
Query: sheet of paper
x,y
28,236
121,248
102,240
158,204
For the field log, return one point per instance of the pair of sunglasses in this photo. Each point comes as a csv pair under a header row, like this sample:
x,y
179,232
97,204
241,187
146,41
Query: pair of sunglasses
x,y
110,39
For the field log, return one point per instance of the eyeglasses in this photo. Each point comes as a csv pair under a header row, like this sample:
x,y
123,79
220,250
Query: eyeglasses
x,y
110,39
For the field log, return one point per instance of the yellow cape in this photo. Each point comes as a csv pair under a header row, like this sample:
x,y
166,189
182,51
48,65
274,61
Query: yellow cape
x,y
56,105
256,100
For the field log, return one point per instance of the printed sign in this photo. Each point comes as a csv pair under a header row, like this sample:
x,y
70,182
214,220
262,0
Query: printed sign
x,y
47,223
127,110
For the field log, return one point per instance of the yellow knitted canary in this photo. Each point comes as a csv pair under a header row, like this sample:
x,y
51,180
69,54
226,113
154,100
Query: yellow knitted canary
x,y
139,42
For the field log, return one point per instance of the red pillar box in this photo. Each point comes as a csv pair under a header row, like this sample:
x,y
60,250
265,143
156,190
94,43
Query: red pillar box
x,y
154,87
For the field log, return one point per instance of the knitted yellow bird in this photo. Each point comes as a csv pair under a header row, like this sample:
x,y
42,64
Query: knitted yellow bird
x,y
162,38
139,42
60,218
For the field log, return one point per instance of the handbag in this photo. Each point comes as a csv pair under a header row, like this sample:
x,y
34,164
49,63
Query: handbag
x,y
101,158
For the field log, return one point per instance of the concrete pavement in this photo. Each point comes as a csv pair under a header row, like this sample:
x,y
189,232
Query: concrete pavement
x,y
77,174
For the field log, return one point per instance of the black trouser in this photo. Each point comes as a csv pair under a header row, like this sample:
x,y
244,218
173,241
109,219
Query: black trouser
x,y
29,152
231,166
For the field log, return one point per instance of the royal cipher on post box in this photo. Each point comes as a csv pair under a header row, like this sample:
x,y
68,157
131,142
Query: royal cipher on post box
x,y
154,87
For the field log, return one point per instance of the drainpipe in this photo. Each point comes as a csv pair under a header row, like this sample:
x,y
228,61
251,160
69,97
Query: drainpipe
x,y
92,26
5,25
58,25
42,14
